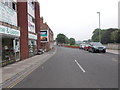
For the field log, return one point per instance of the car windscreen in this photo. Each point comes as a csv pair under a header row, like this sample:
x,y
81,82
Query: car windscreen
x,y
97,44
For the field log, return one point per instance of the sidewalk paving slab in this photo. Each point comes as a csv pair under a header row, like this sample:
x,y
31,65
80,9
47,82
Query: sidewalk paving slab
x,y
113,51
14,70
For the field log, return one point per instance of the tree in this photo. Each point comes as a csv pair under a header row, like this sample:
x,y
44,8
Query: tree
x,y
115,36
107,35
61,38
95,37
67,40
72,41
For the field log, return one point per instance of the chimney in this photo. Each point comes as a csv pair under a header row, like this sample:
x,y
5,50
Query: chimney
x,y
41,19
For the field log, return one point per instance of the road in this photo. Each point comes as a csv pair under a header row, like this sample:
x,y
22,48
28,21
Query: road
x,y
74,68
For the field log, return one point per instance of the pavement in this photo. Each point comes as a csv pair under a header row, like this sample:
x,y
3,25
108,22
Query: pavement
x,y
15,71
113,51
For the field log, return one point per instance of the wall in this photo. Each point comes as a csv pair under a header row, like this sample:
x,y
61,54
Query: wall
x,y
23,24
113,46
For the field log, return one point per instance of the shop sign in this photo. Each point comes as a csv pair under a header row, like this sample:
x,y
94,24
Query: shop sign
x,y
44,35
10,31
7,15
32,36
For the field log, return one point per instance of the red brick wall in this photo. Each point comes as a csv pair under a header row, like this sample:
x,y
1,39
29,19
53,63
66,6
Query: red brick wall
x,y
23,24
37,24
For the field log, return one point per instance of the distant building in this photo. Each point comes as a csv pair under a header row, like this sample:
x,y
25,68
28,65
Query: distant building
x,y
46,35
78,42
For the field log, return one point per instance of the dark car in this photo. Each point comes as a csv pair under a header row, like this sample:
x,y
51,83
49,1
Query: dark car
x,y
40,51
96,47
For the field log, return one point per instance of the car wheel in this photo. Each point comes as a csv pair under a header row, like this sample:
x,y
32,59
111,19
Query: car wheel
x,y
104,51
89,49
93,51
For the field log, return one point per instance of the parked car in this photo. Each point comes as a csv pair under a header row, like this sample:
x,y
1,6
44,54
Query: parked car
x,y
96,47
86,47
40,51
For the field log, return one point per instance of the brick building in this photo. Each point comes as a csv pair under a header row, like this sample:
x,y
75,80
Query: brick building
x,y
19,29
47,40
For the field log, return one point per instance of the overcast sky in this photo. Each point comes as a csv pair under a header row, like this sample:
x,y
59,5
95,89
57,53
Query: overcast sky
x,y
78,18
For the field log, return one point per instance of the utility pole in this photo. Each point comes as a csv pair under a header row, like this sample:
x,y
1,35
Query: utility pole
x,y
99,28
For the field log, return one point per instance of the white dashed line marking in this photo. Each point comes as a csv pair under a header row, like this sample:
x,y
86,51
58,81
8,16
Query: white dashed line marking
x,y
79,66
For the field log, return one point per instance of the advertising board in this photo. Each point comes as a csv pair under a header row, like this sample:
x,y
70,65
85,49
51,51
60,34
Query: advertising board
x,y
44,35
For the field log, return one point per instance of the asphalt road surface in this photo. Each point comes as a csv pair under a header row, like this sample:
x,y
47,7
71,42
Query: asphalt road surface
x,y
74,68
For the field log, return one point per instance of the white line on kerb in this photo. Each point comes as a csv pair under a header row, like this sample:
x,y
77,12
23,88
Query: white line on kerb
x,y
79,66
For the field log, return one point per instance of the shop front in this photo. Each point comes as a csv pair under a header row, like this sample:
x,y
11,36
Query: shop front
x,y
10,45
32,44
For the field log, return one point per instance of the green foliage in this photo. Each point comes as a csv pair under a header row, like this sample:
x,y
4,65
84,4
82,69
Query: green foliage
x,y
110,35
95,37
67,41
72,41
115,36
61,38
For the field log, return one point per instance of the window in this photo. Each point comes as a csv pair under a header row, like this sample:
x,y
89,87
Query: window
x,y
32,3
13,5
33,20
30,18
6,3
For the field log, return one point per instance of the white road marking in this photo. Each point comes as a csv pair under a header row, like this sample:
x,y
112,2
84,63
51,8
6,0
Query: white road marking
x,y
79,66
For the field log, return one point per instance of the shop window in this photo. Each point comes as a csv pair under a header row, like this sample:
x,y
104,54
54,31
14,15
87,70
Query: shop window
x,y
32,48
10,50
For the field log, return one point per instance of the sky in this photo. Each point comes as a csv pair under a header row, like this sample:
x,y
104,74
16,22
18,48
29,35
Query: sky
x,y
78,18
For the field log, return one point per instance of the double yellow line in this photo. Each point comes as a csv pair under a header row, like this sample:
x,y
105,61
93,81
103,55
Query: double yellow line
x,y
20,79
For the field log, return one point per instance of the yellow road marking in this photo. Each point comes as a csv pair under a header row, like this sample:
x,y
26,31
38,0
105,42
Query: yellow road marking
x,y
20,79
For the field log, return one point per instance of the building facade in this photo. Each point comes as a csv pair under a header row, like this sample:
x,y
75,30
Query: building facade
x,y
9,32
19,30
47,36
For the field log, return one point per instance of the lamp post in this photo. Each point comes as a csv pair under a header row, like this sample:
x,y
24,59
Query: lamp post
x,y
99,28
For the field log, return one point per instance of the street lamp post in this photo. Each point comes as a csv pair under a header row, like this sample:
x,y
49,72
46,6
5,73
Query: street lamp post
x,y
99,28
